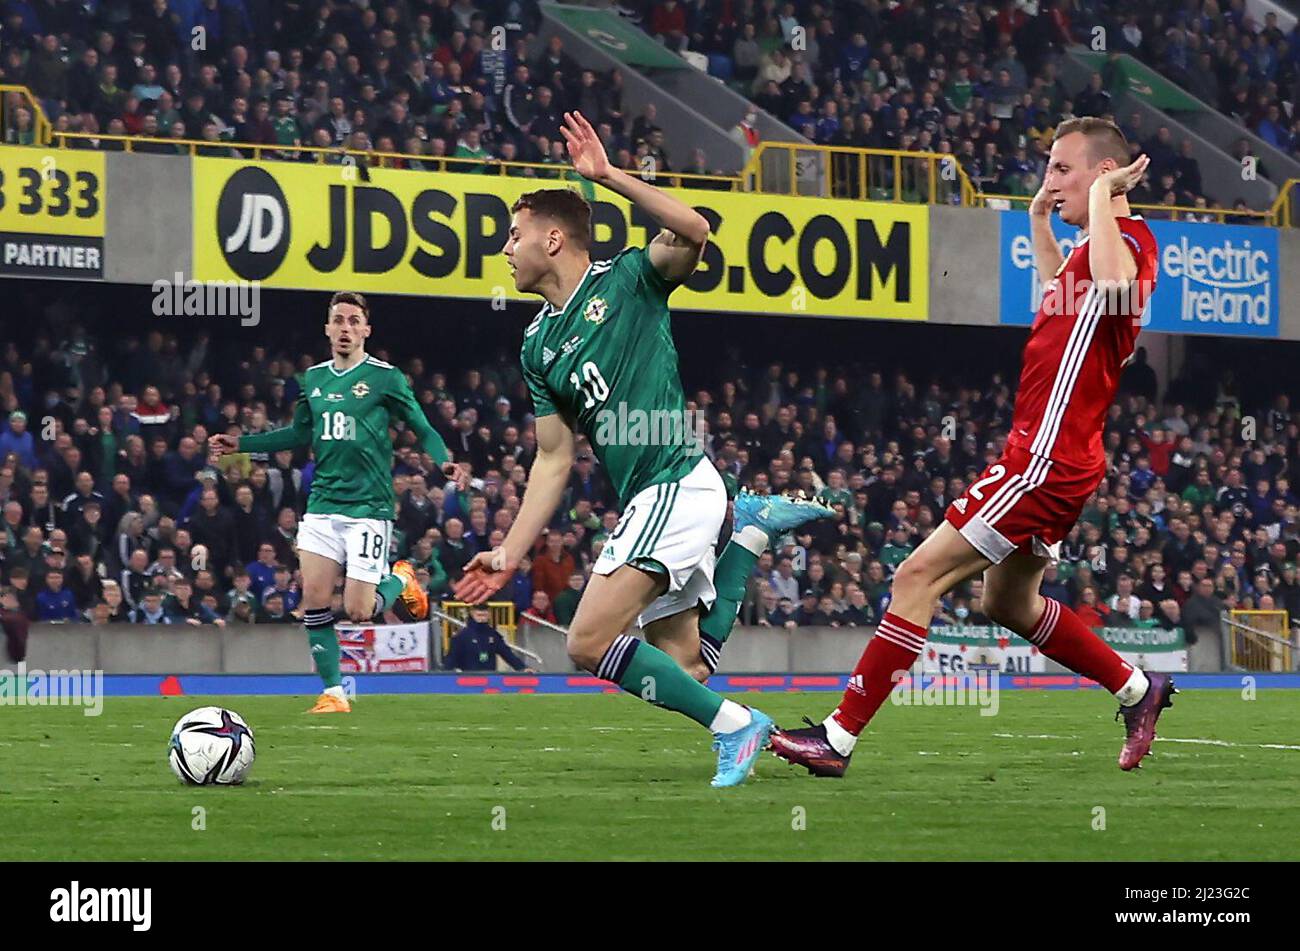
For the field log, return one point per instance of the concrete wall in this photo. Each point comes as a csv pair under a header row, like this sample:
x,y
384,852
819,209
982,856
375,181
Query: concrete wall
x,y
131,649
149,228
965,261
282,649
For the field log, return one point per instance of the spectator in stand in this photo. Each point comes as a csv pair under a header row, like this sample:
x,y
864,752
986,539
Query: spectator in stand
x,y
566,602
540,607
118,610
16,439
14,623
477,645
151,610
552,567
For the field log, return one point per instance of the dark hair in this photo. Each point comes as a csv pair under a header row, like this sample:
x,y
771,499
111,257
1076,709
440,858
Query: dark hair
x,y
564,206
350,297
1105,140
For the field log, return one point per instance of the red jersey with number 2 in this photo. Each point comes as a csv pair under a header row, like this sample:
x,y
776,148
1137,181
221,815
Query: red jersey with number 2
x,y
1080,341
1082,338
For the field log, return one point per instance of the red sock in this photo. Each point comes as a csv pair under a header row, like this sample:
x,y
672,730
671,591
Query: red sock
x,y
1062,636
895,647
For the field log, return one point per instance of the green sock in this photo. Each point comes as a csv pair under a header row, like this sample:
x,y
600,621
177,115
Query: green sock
x,y
642,669
324,645
386,592
730,578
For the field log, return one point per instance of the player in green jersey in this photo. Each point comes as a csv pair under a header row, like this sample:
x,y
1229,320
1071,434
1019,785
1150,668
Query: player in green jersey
x,y
342,412
600,357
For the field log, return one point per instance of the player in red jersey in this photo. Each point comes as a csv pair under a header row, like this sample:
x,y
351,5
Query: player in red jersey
x,y
1011,520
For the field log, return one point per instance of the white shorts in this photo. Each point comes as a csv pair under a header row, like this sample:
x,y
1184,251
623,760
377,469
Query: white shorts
x,y
360,545
676,525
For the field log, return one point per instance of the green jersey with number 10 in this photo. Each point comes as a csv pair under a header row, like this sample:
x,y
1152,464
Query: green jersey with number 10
x,y
606,362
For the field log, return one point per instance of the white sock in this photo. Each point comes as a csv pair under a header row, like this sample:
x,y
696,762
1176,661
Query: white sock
x,y
753,538
731,716
841,739
336,692
1134,689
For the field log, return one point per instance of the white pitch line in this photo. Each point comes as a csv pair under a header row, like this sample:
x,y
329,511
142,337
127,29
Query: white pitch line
x,y
1205,742
1159,739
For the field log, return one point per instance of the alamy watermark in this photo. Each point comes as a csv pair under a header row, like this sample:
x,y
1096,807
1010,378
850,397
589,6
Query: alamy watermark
x,y
624,426
973,688
190,298
53,688
1072,296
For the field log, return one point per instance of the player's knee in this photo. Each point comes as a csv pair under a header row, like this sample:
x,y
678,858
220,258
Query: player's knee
x,y
355,612
914,575
584,649
699,670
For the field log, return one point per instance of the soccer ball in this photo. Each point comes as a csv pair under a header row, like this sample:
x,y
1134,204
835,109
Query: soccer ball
x,y
211,746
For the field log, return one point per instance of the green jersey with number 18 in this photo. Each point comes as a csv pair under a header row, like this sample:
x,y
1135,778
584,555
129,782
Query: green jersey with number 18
x,y
606,362
344,416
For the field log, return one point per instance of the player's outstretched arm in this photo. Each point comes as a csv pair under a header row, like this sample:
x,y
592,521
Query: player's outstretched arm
x,y
297,433
489,571
674,254
1047,253
1111,259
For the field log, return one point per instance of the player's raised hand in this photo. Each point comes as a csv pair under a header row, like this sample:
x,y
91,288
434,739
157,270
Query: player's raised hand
x,y
1043,201
485,575
457,472
586,151
1122,180
222,443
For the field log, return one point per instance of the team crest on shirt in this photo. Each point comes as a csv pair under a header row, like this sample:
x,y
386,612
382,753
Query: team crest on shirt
x,y
595,310
360,389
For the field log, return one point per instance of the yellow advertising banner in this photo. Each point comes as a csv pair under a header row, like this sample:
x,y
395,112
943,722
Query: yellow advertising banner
x,y
409,232
52,212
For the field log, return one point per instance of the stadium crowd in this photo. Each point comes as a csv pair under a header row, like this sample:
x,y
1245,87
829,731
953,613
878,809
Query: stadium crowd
x,y
977,81
110,511
435,79
459,83
1245,65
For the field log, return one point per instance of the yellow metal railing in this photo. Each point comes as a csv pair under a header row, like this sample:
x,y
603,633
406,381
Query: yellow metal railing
x,y
1260,640
1284,206
774,167
374,159
831,171
14,98
986,200
502,618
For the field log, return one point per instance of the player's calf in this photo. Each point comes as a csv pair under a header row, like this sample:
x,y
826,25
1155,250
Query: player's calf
x,y
1020,617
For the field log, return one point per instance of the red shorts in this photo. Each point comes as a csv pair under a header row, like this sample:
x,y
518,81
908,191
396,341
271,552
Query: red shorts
x,y
1023,501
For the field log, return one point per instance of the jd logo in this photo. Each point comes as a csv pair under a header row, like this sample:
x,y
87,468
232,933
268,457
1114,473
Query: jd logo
x,y
253,224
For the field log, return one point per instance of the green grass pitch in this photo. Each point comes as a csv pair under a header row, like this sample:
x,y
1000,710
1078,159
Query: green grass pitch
x,y
606,777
